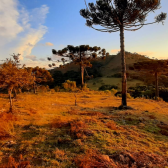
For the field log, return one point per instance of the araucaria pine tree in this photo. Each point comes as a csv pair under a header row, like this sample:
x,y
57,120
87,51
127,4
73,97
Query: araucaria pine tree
x,y
81,55
153,67
120,15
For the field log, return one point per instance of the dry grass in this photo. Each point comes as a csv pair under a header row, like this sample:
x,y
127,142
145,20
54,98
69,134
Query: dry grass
x,y
49,130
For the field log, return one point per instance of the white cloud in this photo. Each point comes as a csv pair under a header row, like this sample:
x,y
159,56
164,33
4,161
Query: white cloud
x,y
49,44
33,36
31,57
20,30
9,16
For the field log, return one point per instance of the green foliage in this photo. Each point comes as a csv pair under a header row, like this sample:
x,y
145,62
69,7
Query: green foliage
x,y
108,87
111,15
142,91
81,55
117,75
59,77
151,66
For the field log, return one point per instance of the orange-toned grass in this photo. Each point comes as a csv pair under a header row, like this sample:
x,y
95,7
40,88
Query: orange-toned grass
x,y
88,121
92,159
111,125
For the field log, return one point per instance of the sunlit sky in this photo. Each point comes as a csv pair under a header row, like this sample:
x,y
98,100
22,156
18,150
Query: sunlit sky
x,y
34,27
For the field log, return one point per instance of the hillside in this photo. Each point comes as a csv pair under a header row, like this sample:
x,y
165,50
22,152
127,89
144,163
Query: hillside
x,y
48,130
109,66
102,70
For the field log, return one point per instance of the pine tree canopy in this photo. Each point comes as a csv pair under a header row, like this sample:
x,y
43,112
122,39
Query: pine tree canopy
x,y
152,66
80,54
112,14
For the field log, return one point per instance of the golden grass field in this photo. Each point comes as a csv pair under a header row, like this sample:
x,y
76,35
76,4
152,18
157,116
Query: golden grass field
x,y
49,130
95,83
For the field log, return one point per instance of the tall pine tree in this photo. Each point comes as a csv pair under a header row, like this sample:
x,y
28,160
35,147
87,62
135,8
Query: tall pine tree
x,y
121,15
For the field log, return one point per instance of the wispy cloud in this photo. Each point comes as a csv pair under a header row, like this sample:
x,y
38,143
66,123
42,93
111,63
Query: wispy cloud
x,y
40,44
31,57
31,63
20,30
42,59
49,44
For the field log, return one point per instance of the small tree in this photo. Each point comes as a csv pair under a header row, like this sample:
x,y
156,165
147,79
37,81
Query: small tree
x,y
40,76
81,55
120,15
12,77
153,67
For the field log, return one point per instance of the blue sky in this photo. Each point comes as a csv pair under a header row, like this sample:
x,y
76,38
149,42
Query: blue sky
x,y
34,27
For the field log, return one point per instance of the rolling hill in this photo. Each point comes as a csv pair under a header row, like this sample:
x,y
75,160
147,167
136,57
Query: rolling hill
x,y
102,70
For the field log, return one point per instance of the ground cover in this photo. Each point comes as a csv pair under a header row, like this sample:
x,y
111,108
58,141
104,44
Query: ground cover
x,y
50,130
95,83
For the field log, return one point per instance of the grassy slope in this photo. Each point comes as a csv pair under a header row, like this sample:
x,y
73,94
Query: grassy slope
x,y
110,66
110,81
50,131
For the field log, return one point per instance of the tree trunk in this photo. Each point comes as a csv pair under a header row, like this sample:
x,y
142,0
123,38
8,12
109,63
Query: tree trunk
x,y
10,99
123,64
81,71
156,86
34,87
15,94
82,76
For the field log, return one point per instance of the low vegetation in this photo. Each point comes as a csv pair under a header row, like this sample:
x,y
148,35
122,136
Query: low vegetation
x,y
82,129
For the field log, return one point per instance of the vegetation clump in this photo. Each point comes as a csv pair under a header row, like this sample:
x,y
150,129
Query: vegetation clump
x,y
69,85
108,87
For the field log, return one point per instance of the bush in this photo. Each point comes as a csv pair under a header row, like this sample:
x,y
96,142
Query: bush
x,y
43,89
85,88
69,85
129,96
108,87
117,75
107,91
159,99
57,88
114,91
52,91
